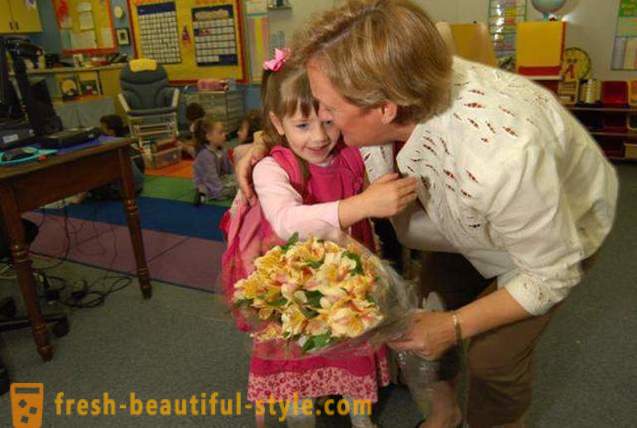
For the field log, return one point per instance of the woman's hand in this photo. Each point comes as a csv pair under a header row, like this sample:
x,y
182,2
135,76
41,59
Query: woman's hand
x,y
389,195
429,335
243,165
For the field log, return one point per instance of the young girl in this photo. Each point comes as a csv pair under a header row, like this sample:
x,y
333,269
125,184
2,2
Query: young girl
x,y
212,171
194,112
310,184
251,123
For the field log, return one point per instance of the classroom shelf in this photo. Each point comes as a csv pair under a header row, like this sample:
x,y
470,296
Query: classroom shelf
x,y
604,109
614,134
612,128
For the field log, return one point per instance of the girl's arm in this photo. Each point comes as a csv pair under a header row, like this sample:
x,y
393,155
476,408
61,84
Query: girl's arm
x,y
284,209
283,206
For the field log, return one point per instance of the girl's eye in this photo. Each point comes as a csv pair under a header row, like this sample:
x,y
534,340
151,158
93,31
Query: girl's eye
x,y
302,126
328,123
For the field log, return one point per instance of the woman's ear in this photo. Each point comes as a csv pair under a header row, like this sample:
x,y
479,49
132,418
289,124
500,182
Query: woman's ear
x,y
277,123
388,111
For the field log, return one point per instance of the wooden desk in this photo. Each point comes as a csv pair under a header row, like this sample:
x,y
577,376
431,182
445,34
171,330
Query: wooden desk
x,y
30,186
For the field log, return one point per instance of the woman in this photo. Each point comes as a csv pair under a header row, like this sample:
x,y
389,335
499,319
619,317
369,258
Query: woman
x,y
509,180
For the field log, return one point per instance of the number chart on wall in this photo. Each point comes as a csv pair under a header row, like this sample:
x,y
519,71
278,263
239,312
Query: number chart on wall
x,y
158,32
206,35
215,35
625,48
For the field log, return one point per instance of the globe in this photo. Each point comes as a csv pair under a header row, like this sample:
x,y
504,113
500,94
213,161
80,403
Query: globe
x,y
548,6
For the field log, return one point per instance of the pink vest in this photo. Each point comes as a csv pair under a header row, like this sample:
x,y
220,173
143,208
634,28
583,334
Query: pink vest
x,y
249,234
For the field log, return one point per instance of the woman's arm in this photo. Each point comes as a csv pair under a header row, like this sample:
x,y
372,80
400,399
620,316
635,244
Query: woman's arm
x,y
528,212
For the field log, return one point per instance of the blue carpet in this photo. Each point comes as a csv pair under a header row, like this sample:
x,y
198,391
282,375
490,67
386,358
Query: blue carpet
x,y
162,215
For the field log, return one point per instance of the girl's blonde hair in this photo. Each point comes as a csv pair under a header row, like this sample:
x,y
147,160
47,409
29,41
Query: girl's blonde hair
x,y
374,51
201,127
283,93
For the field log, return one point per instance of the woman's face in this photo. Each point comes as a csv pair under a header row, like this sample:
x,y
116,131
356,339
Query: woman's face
x,y
309,137
360,127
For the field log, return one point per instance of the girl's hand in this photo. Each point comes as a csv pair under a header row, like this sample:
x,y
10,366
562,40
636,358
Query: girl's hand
x,y
388,195
243,166
429,335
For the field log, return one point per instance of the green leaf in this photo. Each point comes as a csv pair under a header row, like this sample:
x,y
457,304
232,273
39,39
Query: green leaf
x,y
293,240
314,298
243,302
317,342
370,299
279,302
309,313
308,345
359,265
322,340
315,264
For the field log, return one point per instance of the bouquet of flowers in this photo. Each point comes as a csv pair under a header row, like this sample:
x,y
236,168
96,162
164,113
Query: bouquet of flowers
x,y
317,296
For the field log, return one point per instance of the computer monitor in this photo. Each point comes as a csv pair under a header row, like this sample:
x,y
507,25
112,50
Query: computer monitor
x,y
10,108
31,114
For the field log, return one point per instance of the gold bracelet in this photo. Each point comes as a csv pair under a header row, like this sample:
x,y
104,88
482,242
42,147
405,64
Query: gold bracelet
x,y
456,327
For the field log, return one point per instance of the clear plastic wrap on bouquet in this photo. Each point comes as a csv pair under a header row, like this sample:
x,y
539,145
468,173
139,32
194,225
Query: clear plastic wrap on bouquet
x,y
328,298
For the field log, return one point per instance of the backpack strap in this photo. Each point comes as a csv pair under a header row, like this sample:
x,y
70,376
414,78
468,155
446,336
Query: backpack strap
x,y
290,164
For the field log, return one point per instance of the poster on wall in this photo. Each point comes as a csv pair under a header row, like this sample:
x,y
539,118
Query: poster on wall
x,y
625,47
158,32
504,16
215,35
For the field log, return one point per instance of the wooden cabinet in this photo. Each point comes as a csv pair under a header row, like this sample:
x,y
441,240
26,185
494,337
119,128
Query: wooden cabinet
x,y
613,128
6,23
18,17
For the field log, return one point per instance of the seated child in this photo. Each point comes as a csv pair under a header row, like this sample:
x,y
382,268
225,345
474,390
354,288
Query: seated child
x,y
194,112
212,171
113,126
251,123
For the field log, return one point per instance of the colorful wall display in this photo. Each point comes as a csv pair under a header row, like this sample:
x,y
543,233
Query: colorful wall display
x,y
625,47
504,15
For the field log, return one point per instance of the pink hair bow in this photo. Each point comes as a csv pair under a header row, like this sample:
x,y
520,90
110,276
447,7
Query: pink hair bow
x,y
280,57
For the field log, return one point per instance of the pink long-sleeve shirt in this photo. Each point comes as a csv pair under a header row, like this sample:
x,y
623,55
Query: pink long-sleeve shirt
x,y
283,206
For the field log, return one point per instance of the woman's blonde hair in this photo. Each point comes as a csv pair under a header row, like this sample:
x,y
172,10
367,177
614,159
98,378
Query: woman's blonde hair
x,y
374,51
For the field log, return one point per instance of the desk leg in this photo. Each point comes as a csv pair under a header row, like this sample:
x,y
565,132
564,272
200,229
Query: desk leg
x,y
22,263
134,226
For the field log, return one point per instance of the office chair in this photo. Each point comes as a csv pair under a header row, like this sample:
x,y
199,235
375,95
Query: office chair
x,y
8,311
150,103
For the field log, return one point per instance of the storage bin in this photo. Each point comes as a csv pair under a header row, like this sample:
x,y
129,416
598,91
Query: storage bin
x,y
632,93
163,158
615,93
630,150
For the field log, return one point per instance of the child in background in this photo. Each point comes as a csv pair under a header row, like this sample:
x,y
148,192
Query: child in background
x,y
194,112
113,126
212,171
251,123
311,184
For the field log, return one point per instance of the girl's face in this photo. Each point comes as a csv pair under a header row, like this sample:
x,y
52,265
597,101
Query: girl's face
x,y
310,138
243,131
216,136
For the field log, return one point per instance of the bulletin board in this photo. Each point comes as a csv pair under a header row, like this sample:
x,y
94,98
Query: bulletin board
x,y
625,48
86,26
504,15
209,45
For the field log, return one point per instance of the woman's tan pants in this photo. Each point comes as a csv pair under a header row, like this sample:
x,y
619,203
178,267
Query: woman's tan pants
x,y
500,361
